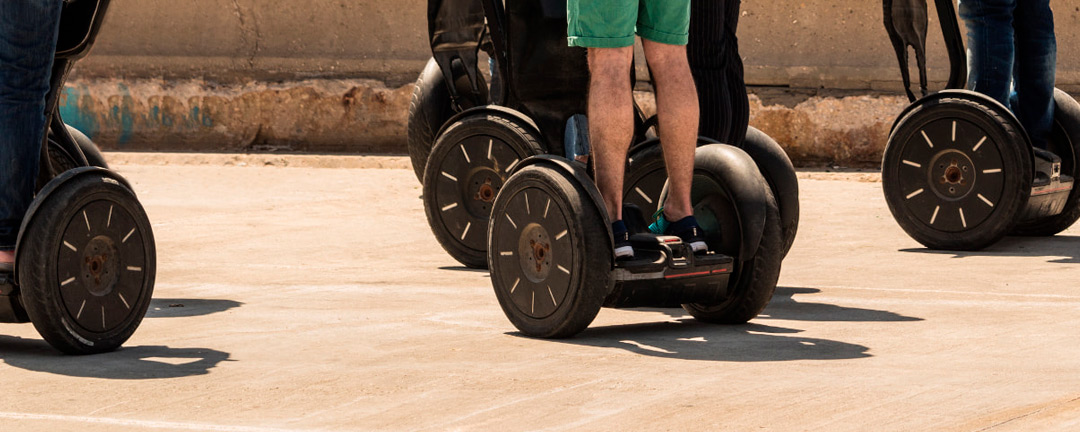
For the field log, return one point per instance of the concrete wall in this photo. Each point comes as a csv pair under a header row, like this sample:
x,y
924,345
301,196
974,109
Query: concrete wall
x,y
797,43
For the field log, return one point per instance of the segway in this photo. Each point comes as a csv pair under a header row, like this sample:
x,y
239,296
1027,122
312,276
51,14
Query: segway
x,y
85,257
960,173
539,92
549,246
551,249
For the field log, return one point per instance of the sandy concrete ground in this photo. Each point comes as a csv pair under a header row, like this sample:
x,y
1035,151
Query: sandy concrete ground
x,y
297,298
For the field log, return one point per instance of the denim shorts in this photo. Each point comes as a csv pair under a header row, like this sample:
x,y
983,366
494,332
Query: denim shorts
x,y
613,23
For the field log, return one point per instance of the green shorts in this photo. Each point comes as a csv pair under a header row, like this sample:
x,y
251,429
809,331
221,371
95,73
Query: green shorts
x,y
611,23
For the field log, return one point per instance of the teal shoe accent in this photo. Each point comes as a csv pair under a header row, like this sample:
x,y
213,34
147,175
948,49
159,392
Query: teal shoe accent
x,y
661,225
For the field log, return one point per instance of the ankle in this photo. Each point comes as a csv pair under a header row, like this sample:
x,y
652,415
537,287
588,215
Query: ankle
x,y
675,215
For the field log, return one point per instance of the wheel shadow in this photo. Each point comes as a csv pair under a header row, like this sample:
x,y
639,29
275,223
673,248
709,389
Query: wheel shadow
x,y
177,308
463,269
785,307
1065,248
126,363
689,339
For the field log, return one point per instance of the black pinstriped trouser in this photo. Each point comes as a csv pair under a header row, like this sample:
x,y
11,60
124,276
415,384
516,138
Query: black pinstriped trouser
x,y
713,52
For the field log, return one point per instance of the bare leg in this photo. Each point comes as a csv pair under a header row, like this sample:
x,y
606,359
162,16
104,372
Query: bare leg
x,y
611,121
7,257
677,109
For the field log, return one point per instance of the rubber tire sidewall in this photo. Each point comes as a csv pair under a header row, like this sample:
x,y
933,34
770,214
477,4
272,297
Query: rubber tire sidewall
x,y
89,149
429,110
779,172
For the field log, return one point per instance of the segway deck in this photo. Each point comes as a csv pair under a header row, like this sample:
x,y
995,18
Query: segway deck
x,y
1049,189
667,272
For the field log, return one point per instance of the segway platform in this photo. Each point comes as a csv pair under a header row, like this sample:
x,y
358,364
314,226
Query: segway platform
x,y
666,271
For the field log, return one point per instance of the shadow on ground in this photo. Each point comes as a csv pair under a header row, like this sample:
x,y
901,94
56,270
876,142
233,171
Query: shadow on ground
x,y
174,308
784,306
1066,249
127,363
464,269
688,339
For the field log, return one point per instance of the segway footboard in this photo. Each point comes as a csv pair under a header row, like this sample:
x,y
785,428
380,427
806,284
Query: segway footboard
x,y
1050,189
1064,144
668,273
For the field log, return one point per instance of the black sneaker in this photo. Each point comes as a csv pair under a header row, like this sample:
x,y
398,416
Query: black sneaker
x,y
623,248
686,228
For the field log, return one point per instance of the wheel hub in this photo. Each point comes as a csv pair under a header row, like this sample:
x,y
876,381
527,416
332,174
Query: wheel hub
x,y
100,266
534,250
952,174
486,192
482,186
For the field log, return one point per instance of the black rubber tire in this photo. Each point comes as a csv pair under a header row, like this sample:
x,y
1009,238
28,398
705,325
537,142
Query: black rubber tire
x,y
62,161
56,269
89,149
779,172
429,109
1064,142
1001,176
752,285
575,270
454,182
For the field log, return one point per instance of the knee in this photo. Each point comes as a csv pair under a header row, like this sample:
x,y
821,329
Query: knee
x,y
610,64
667,60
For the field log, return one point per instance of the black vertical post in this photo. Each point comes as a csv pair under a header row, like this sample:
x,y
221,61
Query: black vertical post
x,y
954,43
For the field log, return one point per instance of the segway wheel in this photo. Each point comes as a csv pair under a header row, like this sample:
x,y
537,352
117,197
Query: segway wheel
x,y
551,256
468,166
956,173
62,160
431,107
1064,142
86,271
721,215
779,172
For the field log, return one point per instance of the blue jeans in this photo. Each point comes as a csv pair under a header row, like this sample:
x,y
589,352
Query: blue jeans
x,y
28,32
1012,57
